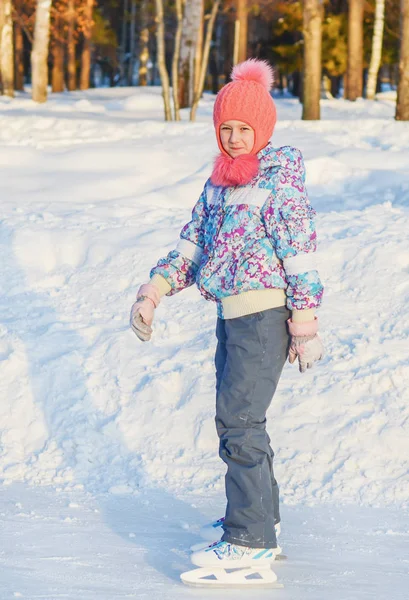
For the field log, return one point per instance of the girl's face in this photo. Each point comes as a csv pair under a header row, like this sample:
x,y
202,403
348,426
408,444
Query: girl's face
x,y
236,137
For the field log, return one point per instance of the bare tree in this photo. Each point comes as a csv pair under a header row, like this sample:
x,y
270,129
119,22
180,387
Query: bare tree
x,y
132,42
376,55
57,51
355,49
144,44
71,64
1,29
18,56
402,105
124,38
192,21
6,49
312,29
86,46
241,31
176,57
198,52
160,36
39,53
205,59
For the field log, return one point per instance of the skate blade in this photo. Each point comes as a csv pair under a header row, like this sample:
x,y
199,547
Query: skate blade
x,y
231,578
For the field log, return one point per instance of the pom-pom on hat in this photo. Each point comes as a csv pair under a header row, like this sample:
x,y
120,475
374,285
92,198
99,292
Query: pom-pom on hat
x,y
247,98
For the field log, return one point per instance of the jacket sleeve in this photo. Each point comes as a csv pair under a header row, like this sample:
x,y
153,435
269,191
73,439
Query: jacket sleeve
x,y
290,223
180,266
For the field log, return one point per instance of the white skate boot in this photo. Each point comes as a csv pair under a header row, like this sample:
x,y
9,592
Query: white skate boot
x,y
212,532
230,565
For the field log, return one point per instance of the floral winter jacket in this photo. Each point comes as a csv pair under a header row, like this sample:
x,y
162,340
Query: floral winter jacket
x,y
253,237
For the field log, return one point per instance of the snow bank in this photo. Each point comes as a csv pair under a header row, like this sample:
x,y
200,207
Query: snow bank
x,y
94,188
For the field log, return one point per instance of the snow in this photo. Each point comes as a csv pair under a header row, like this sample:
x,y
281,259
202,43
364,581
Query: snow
x,y
108,454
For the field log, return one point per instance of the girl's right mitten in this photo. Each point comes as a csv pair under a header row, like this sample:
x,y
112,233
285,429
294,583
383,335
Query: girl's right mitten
x,y
142,311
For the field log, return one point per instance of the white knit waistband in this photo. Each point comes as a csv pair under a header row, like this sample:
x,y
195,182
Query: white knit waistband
x,y
252,302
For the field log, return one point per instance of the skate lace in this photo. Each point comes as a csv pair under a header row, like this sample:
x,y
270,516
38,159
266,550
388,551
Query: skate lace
x,y
230,551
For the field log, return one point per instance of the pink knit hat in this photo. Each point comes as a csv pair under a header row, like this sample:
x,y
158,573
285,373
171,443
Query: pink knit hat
x,y
246,98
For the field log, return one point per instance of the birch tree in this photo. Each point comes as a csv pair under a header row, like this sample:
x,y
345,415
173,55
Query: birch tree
x,y
312,30
205,59
198,52
176,57
355,49
191,25
39,53
402,105
160,36
376,55
241,32
86,46
6,48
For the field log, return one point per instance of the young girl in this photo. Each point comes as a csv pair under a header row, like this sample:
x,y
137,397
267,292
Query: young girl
x,y
250,249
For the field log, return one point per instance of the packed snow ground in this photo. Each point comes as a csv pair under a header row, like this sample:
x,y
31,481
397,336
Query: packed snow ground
x,y
94,188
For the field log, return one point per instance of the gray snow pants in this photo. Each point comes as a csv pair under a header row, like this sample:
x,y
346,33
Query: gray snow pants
x,y
250,355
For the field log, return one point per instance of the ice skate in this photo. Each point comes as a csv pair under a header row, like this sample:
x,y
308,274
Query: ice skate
x,y
228,565
203,545
212,532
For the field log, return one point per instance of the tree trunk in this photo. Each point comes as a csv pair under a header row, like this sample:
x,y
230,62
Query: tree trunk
x,y
160,36
123,40
312,30
198,54
18,57
6,50
39,53
376,56
71,65
176,56
402,104
241,31
86,46
191,26
57,75
144,44
132,39
336,81
1,29
205,61
355,49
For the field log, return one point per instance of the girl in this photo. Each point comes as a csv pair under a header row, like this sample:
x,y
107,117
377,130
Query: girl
x,y
250,249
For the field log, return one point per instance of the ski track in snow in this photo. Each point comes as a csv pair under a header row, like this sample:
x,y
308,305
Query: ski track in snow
x,y
94,188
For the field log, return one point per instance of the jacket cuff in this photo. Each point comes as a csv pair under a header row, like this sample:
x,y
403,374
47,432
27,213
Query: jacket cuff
x,y
161,283
303,329
302,316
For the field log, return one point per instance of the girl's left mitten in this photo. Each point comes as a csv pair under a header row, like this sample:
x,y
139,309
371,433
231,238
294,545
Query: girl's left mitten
x,y
306,344
142,311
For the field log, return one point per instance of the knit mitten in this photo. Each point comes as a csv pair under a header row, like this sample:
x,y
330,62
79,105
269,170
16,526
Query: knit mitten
x,y
142,311
305,344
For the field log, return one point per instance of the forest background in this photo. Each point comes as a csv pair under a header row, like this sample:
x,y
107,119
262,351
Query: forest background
x,y
330,48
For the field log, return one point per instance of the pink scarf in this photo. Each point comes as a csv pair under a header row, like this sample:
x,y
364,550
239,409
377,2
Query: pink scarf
x,y
228,171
